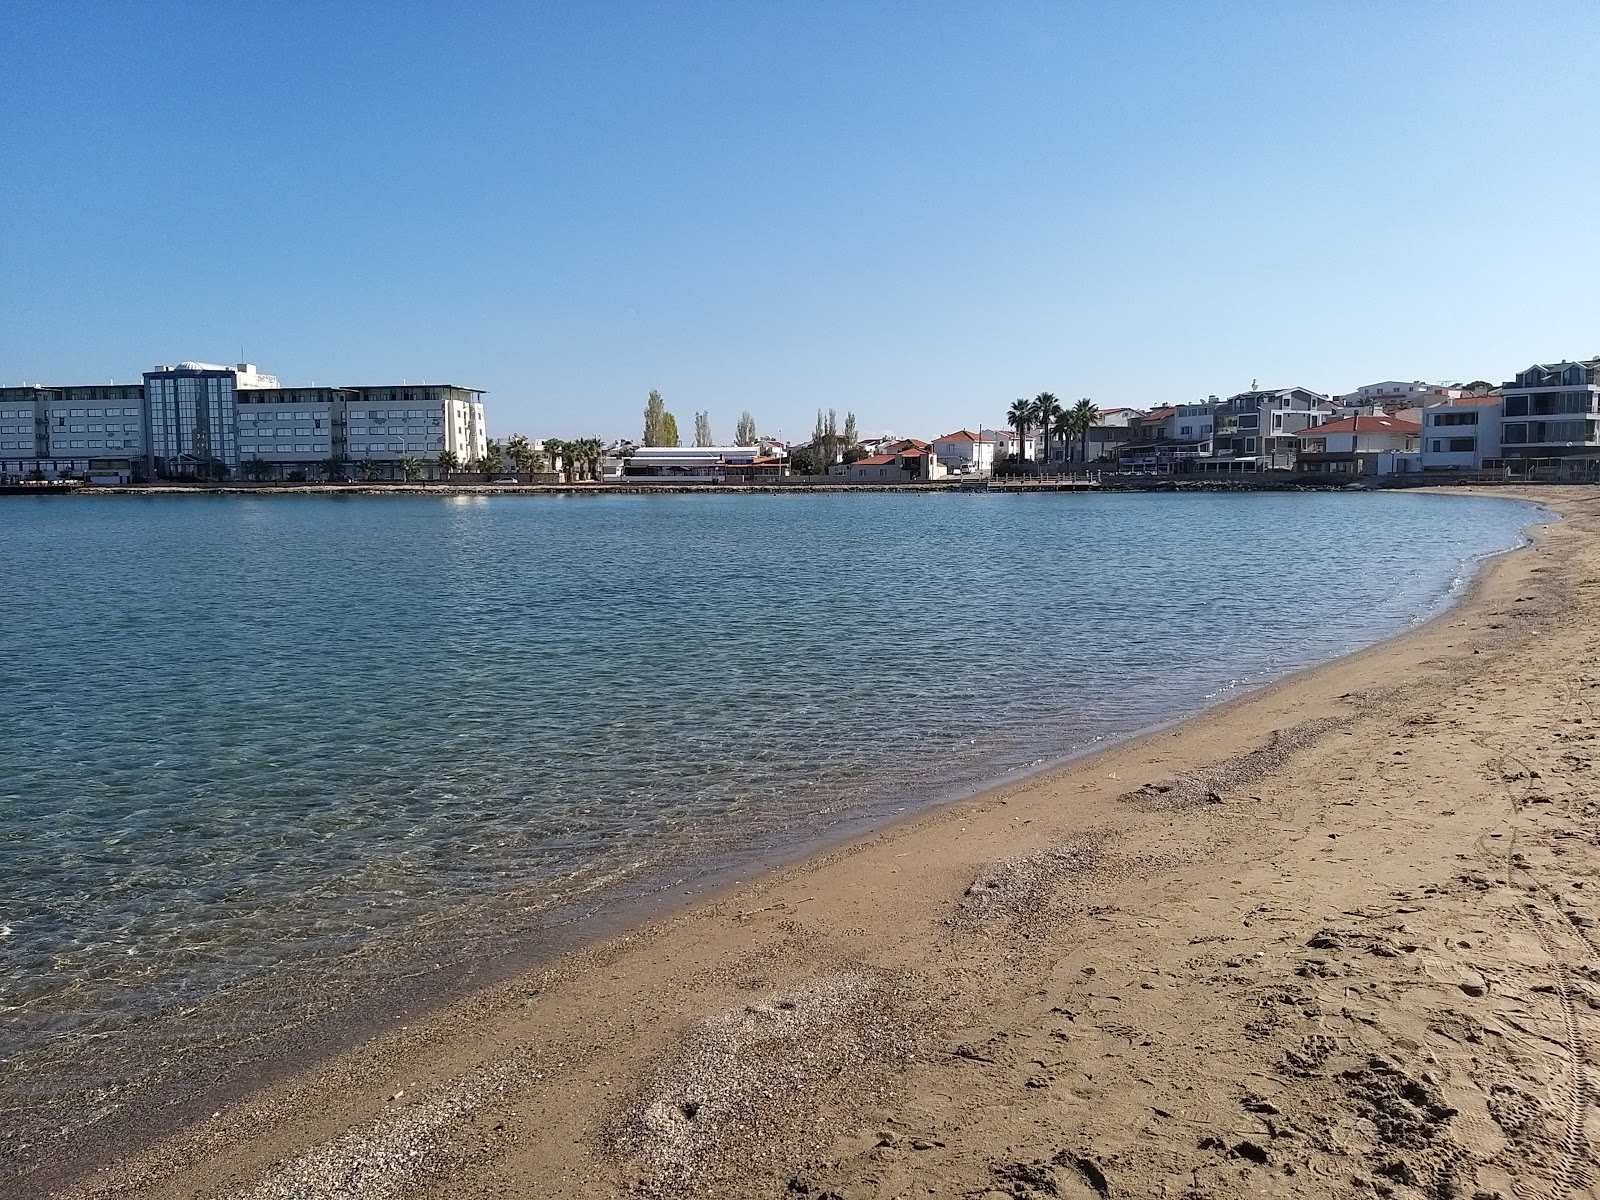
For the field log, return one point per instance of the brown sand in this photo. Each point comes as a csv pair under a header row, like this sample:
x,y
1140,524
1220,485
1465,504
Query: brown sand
x,y
1337,938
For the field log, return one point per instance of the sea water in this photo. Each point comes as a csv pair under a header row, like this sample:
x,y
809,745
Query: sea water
x,y
254,748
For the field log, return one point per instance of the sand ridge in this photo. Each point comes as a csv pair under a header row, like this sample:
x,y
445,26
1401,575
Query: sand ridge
x,y
1337,938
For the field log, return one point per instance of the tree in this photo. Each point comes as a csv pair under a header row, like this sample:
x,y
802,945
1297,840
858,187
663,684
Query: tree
x,y
655,421
669,430
702,429
520,451
589,451
493,459
1046,408
1020,414
411,467
1066,427
852,434
556,451
334,466
449,463
831,432
1088,414
744,433
804,460
257,469
371,469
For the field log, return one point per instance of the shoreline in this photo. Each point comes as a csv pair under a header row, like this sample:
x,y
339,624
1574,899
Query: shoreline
x,y
645,487
851,869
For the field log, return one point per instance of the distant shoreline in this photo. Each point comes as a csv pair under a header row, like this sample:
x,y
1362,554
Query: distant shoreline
x,y
641,487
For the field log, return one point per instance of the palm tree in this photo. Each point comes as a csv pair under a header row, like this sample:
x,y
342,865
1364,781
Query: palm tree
x,y
492,464
1046,408
257,469
1088,414
371,469
1066,427
558,452
334,466
411,465
449,462
520,451
1020,414
589,451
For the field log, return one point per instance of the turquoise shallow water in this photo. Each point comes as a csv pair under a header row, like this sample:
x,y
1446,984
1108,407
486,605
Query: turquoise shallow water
x,y
252,746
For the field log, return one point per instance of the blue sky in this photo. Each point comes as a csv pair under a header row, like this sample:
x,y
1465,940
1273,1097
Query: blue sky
x,y
916,211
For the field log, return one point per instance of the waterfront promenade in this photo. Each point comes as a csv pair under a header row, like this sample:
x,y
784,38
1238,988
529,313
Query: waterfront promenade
x,y
1336,936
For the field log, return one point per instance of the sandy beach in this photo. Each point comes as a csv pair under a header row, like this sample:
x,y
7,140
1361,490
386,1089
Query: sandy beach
x,y
1335,938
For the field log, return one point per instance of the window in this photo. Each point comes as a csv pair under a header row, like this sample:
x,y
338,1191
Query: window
x,y
1456,418
1463,445
1249,420
75,446
79,429
76,412
96,444
97,428
1516,406
130,412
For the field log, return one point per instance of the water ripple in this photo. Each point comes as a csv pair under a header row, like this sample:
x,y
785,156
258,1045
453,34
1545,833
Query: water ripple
x,y
267,737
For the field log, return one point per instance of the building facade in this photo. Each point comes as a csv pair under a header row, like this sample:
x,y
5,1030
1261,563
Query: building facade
x,y
191,415
1260,429
387,423
1359,445
93,431
290,432
1460,437
1551,419
965,452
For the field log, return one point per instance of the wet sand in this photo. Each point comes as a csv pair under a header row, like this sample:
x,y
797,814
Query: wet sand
x,y
1336,938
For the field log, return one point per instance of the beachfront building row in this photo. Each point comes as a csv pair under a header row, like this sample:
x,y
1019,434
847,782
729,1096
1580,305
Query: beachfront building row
x,y
204,420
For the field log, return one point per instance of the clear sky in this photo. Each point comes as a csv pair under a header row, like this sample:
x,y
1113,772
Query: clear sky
x,y
917,211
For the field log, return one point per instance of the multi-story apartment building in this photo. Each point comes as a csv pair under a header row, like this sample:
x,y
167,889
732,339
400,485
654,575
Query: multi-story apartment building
x,y
287,430
1460,436
1551,418
21,427
386,423
1397,394
192,414
94,431
283,431
1260,429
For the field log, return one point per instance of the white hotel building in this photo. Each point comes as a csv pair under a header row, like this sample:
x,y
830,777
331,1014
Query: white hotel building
x,y
92,431
206,420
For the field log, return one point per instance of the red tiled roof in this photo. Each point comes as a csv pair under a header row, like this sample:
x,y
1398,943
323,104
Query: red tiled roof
x,y
1360,425
964,435
877,460
1159,414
